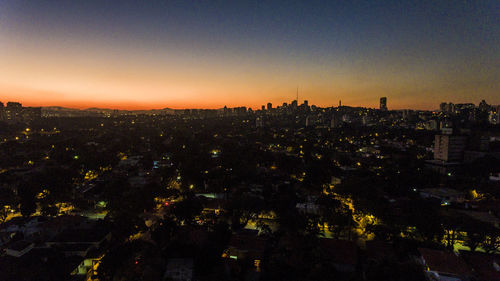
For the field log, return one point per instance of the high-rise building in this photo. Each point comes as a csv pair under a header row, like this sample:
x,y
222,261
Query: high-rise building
x,y
449,148
31,113
294,104
335,122
13,111
364,120
2,111
269,106
498,114
309,121
383,103
263,108
483,106
259,123
306,103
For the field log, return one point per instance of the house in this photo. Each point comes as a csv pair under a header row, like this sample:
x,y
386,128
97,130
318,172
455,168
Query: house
x,y
93,237
37,263
19,248
378,250
88,264
443,265
486,266
245,245
179,270
495,177
446,195
342,254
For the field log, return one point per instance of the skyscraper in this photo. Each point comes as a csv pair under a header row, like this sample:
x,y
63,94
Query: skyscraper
x,y
269,106
309,121
2,111
335,122
13,111
383,103
449,148
498,114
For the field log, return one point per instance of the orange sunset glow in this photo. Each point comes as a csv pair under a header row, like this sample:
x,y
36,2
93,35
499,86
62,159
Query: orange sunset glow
x,y
115,63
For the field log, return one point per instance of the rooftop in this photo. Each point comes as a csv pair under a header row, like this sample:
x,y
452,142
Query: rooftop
x,y
444,262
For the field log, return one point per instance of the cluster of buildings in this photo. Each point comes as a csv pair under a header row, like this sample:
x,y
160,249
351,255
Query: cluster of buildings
x,y
451,149
60,248
485,111
284,141
14,112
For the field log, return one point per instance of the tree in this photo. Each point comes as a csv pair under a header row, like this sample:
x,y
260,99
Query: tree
x,y
165,231
476,233
7,199
187,209
27,200
491,242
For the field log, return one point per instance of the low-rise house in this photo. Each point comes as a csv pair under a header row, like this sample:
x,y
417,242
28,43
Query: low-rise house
x,y
446,195
342,254
246,245
443,265
378,250
179,270
19,248
37,264
495,177
93,236
88,264
486,266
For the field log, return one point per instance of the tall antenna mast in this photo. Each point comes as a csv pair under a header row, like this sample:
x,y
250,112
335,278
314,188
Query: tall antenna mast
x,y
297,94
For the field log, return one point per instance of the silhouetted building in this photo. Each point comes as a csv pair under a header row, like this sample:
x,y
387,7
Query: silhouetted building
x,y
498,114
383,103
259,122
449,148
13,112
2,112
483,106
335,122
309,121
31,113
269,106
447,107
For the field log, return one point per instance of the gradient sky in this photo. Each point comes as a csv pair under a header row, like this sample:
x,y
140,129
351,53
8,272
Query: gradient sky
x,y
207,54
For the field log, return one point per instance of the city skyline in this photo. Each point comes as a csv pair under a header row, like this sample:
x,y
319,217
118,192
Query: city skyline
x,y
265,106
208,55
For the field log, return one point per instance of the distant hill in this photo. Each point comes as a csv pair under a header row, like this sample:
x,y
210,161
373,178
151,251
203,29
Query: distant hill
x,y
60,111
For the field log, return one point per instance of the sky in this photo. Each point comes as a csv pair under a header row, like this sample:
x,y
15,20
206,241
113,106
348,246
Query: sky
x,y
207,54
